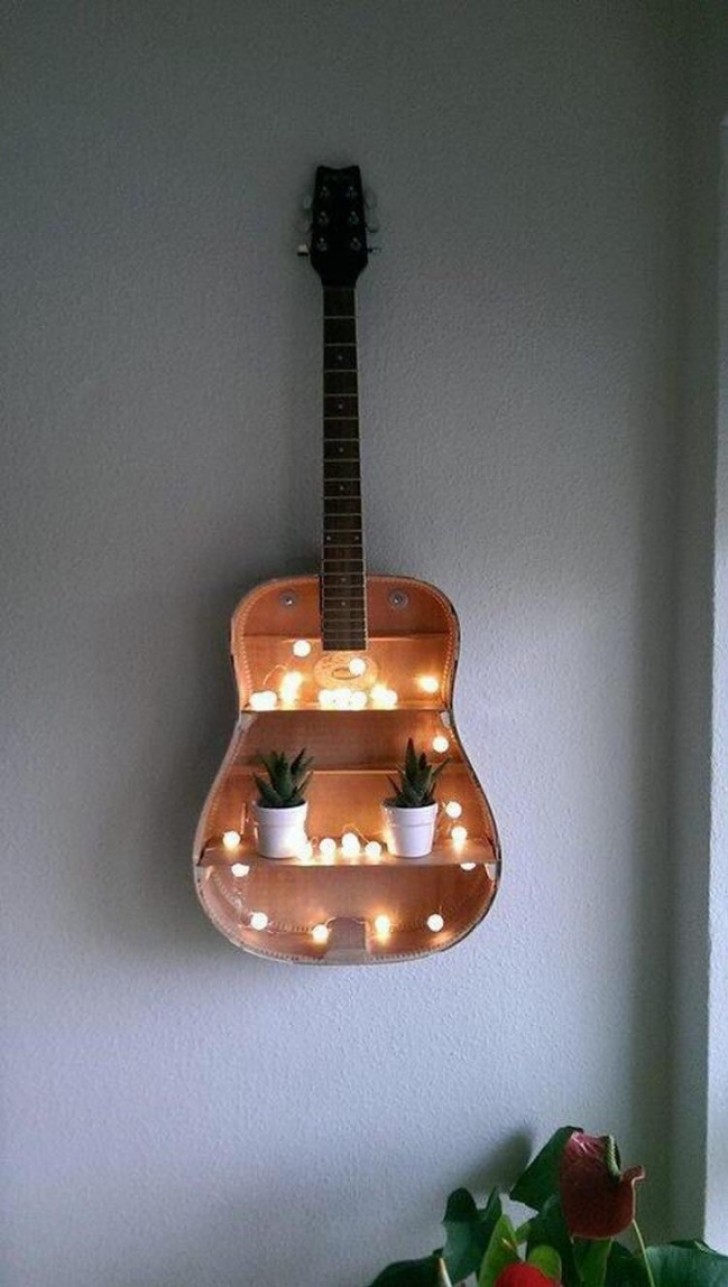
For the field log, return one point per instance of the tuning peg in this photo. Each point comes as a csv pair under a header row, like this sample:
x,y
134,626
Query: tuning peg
x,y
302,250
370,199
307,201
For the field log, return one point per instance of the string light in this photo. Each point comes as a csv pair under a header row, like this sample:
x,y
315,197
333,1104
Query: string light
x,y
358,700
327,847
373,849
301,648
459,835
320,934
440,744
239,869
383,696
266,700
326,697
453,809
468,866
304,850
382,926
435,922
231,839
428,683
258,920
357,666
350,846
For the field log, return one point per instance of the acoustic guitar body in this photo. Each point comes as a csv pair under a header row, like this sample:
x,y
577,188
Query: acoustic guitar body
x,y
327,906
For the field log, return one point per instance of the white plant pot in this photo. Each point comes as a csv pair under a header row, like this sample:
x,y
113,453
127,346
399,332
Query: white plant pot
x,y
280,833
410,832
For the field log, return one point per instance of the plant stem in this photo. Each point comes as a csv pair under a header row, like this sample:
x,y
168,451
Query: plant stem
x,y
643,1252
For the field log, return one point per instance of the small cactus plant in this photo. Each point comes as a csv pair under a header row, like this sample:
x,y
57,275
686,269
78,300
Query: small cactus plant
x,y
417,780
287,780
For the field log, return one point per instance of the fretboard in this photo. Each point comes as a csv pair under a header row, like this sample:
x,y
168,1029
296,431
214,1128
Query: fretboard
x,y
343,583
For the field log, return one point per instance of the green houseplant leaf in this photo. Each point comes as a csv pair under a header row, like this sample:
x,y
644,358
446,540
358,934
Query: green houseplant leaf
x,y
674,1266
410,1273
540,1180
547,1260
502,1250
469,1231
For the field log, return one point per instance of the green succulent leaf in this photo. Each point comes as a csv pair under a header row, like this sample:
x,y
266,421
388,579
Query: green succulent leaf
x,y
287,780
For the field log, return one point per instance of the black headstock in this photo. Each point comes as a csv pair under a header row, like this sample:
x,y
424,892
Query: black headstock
x,y
338,247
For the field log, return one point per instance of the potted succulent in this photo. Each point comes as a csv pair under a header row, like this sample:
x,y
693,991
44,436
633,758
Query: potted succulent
x,y
280,811
411,812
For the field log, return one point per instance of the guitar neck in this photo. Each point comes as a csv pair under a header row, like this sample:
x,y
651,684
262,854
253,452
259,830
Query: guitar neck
x,y
343,578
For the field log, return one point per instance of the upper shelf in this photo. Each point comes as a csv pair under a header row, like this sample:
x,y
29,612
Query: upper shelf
x,y
446,853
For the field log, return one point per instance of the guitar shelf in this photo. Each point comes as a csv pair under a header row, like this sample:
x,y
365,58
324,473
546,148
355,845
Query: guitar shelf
x,y
330,908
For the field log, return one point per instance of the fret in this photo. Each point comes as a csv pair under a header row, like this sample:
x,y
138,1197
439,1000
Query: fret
x,y
334,430
341,471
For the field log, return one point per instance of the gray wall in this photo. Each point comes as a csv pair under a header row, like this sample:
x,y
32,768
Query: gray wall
x,y
181,1115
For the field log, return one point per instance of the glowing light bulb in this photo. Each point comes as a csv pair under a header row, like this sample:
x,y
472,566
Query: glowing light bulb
x,y
428,683
341,697
459,835
327,847
382,926
435,922
357,666
239,869
388,698
440,744
326,697
350,846
231,839
304,850
320,933
378,692
265,700
358,701
453,809
468,866
373,849
290,685
258,920
301,648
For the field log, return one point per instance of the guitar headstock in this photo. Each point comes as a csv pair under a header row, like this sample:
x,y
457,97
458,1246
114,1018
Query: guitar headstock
x,y
338,247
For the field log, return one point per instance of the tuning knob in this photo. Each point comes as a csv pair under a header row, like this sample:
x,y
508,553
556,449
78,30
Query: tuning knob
x,y
307,201
302,251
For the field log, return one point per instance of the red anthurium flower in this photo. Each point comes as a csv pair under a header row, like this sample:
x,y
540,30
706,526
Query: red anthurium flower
x,y
521,1275
598,1201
